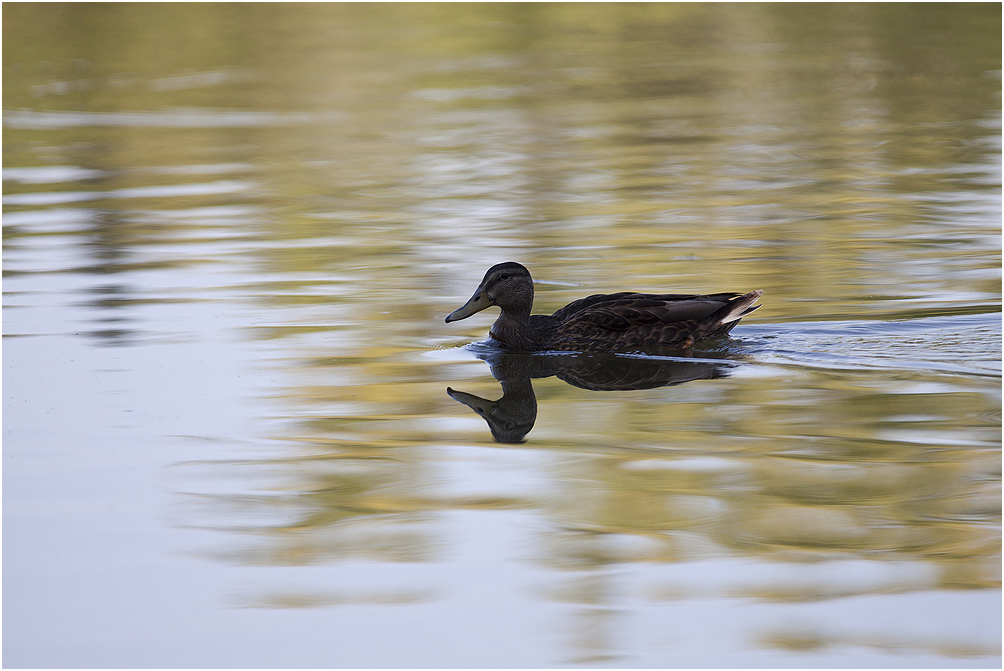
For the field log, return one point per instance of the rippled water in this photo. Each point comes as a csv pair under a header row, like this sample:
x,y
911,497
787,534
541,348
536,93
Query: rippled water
x,y
238,431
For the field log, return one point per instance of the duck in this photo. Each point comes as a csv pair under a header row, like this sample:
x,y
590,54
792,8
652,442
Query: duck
x,y
621,322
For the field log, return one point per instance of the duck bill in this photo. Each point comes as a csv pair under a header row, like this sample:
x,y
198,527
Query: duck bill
x,y
479,301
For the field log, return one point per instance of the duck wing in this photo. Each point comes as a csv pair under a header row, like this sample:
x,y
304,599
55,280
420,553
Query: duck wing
x,y
629,319
622,311
596,300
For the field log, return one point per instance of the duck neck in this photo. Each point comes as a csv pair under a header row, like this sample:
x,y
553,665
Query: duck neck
x,y
512,329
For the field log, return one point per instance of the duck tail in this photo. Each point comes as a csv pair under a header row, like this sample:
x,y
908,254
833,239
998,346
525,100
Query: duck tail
x,y
740,307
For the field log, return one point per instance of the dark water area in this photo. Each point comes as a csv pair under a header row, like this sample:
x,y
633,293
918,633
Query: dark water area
x,y
238,433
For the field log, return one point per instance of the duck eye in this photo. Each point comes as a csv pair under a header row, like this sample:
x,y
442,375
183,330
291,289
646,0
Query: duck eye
x,y
504,276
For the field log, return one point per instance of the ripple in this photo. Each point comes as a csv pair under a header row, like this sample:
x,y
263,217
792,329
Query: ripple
x,y
962,344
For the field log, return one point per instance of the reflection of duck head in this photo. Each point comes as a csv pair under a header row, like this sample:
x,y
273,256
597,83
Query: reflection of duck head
x,y
511,417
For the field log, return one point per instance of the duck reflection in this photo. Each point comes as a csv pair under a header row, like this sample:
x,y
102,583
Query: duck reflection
x,y
512,416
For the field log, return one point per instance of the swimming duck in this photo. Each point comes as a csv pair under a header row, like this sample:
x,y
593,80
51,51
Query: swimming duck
x,y
625,321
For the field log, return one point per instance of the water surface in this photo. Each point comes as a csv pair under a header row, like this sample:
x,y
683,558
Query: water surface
x,y
231,233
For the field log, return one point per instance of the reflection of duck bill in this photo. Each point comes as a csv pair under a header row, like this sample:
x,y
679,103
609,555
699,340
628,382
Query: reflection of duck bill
x,y
478,302
482,406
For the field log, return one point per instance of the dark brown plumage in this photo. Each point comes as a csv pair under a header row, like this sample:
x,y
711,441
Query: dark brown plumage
x,y
625,321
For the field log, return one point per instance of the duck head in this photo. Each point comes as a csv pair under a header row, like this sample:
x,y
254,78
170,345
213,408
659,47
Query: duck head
x,y
507,285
